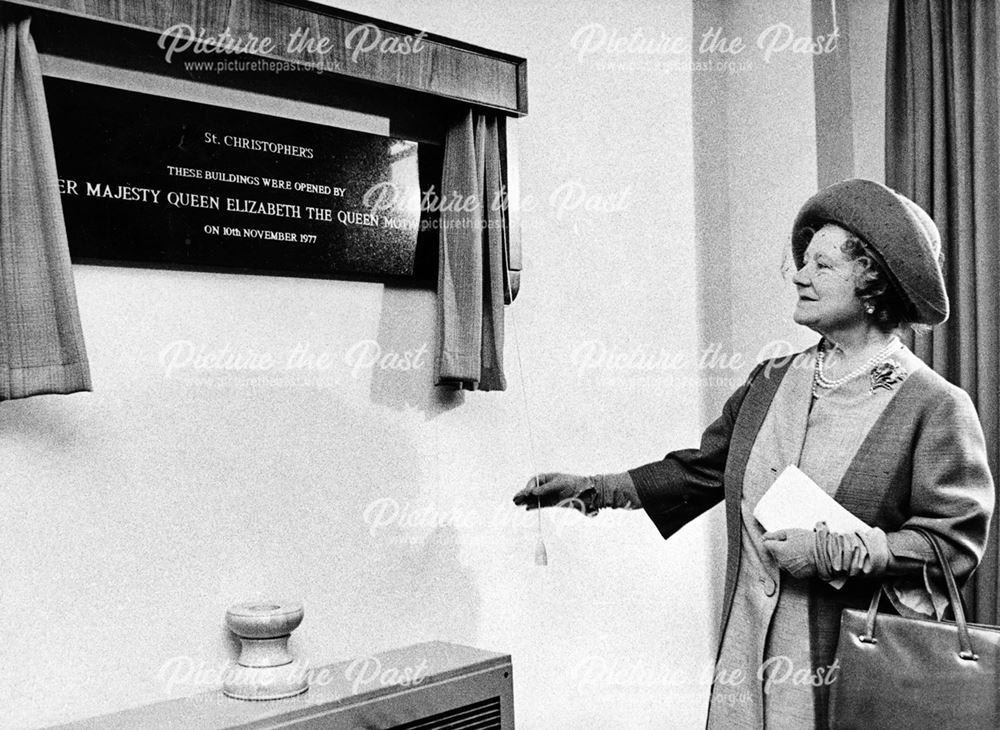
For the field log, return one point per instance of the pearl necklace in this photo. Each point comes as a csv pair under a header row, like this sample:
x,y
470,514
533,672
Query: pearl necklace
x,y
821,381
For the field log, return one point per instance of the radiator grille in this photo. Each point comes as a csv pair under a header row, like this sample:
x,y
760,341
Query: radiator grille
x,y
483,715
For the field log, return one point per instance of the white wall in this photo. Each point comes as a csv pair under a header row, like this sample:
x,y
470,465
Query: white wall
x,y
135,515
869,22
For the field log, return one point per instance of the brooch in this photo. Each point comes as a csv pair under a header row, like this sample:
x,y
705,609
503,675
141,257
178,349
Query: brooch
x,y
886,375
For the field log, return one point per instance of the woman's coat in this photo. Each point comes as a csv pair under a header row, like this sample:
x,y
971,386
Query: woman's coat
x,y
923,464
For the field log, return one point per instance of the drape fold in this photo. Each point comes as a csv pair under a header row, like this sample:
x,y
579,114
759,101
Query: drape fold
x,y
41,339
471,258
941,150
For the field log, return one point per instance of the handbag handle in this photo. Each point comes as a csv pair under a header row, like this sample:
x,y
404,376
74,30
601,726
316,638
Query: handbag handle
x,y
954,598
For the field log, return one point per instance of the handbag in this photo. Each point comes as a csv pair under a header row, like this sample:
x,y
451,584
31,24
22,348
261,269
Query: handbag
x,y
896,672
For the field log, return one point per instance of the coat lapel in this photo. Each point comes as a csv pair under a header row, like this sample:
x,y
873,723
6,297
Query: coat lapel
x,y
748,422
864,486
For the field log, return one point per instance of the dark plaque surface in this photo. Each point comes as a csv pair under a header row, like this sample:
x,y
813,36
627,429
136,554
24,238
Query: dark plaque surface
x,y
150,180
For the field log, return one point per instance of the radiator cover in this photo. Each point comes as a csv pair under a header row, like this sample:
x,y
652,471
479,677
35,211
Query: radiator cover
x,y
458,688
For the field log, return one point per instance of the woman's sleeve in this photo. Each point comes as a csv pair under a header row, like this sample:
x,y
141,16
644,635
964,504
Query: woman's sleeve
x,y
686,483
952,496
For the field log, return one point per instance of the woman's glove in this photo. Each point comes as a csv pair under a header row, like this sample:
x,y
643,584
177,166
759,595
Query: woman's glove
x,y
794,550
554,489
587,494
845,555
828,555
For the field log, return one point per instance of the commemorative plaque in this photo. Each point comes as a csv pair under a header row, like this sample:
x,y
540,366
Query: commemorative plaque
x,y
151,180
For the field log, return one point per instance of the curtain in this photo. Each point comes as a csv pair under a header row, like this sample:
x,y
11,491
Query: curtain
x,y
471,266
941,150
41,341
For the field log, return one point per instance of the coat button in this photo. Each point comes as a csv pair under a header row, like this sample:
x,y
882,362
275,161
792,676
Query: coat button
x,y
769,585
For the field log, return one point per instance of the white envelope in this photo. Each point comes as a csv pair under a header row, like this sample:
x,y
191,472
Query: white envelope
x,y
795,500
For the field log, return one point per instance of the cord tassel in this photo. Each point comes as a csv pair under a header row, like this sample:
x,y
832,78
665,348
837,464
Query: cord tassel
x,y
541,556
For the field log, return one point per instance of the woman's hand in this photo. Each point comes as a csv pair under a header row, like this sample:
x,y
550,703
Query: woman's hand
x,y
829,555
794,550
554,489
865,552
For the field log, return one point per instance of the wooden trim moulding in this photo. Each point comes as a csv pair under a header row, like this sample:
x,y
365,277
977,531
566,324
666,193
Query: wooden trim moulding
x,y
444,68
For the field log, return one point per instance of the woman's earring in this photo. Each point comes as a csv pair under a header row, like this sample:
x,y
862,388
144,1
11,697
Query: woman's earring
x,y
870,308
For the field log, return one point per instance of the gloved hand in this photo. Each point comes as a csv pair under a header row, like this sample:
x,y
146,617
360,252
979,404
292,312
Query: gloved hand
x,y
828,555
794,549
555,489
845,555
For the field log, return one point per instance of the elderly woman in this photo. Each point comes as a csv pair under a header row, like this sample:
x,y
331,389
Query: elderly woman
x,y
891,440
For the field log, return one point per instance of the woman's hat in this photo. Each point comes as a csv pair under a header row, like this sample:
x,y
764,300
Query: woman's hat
x,y
898,230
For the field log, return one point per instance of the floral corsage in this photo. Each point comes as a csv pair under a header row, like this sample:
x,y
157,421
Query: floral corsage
x,y
886,375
